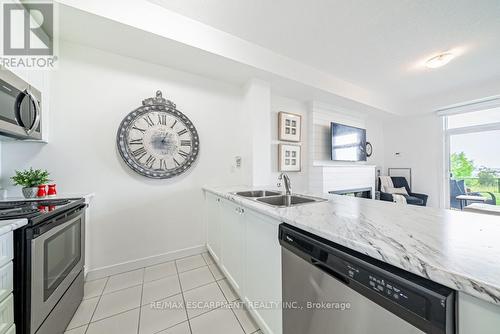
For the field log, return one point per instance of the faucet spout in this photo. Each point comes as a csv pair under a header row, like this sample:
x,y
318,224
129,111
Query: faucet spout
x,y
286,181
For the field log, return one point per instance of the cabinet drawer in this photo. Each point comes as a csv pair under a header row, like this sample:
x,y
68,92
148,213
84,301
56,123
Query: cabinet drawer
x,y
6,248
6,314
6,280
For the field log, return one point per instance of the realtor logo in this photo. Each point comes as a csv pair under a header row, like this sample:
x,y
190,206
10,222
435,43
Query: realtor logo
x,y
28,29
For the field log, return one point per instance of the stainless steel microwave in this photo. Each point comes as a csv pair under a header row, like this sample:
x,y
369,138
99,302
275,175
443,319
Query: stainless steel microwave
x,y
20,107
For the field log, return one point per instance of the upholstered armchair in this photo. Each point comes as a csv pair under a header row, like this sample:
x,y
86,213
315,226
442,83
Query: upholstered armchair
x,y
412,198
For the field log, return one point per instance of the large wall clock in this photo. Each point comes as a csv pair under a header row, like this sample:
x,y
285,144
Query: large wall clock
x,y
158,141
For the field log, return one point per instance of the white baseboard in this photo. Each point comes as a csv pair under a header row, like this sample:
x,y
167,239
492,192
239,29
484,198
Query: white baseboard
x,y
144,262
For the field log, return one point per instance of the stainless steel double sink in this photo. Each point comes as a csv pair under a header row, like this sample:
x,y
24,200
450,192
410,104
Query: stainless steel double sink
x,y
277,199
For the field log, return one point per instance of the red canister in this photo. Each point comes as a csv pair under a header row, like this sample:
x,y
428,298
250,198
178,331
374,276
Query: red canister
x,y
52,190
41,191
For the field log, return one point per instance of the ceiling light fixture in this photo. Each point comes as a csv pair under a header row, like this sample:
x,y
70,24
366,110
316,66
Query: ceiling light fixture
x,y
439,60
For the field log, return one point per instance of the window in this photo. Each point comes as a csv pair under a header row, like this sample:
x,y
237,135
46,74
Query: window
x,y
481,117
473,148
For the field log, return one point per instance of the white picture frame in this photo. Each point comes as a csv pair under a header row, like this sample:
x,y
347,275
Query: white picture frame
x,y
290,158
404,172
289,126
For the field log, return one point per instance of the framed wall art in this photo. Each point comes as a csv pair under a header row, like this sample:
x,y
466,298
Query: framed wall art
x,y
404,172
289,126
289,158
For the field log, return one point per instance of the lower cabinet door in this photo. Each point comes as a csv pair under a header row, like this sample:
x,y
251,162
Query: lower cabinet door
x,y
213,224
249,253
6,314
233,243
263,269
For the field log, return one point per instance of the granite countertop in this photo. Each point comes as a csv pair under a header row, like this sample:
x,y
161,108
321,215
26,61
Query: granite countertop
x,y
12,224
460,250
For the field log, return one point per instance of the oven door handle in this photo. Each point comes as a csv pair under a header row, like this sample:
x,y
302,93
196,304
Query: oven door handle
x,y
51,225
44,236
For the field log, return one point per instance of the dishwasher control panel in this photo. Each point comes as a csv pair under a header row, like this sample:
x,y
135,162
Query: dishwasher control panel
x,y
388,289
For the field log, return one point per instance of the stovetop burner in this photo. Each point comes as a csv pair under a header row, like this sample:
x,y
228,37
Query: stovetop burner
x,y
52,202
18,212
29,209
13,205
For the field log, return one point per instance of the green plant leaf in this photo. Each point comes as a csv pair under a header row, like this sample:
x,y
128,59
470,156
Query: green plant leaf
x,y
30,177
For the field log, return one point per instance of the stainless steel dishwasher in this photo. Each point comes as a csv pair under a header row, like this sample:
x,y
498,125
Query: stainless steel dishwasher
x,y
329,289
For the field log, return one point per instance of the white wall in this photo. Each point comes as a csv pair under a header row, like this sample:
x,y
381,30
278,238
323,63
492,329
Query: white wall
x,y
419,140
255,126
375,134
132,217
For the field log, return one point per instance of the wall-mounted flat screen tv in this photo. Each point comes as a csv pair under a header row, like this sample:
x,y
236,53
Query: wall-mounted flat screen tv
x,y
348,143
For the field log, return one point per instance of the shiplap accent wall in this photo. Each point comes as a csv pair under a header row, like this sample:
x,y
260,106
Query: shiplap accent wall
x,y
327,175
320,119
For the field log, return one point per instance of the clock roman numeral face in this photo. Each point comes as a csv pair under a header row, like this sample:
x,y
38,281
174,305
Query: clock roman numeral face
x,y
162,119
158,142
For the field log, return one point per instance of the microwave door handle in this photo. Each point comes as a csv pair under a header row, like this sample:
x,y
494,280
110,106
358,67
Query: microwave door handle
x,y
37,112
17,109
27,94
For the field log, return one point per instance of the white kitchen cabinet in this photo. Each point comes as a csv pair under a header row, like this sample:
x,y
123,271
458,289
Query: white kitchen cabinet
x,y
213,225
245,246
233,246
263,269
477,316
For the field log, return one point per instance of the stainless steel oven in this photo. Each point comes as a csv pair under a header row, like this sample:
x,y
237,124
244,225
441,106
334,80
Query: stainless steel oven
x,y
49,271
57,259
20,107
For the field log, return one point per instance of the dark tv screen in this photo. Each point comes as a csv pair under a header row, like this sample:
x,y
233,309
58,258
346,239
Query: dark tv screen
x,y
348,143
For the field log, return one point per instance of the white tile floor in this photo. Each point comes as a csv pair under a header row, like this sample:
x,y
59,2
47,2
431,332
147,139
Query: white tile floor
x,y
153,300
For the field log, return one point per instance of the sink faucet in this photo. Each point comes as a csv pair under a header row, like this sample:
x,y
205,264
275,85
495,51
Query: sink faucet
x,y
286,180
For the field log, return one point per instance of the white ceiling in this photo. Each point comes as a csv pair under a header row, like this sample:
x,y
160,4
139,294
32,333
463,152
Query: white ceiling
x,y
378,45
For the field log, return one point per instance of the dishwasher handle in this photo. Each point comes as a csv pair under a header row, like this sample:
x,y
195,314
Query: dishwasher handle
x,y
335,274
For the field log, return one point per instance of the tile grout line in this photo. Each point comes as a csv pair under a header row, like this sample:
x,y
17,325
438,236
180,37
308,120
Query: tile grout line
x,y
237,319
230,303
140,300
102,294
153,265
121,289
199,286
187,271
115,314
97,305
157,279
227,300
111,316
183,299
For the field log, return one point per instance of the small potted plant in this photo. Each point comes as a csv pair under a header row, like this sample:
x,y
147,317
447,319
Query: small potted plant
x,y
30,179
